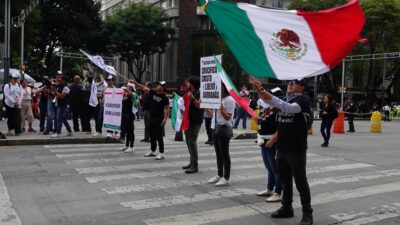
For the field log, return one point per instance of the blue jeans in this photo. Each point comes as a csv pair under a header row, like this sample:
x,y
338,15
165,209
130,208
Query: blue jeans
x,y
270,164
326,126
50,115
62,119
241,114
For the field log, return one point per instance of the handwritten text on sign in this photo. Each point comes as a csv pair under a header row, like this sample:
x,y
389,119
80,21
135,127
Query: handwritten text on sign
x,y
210,91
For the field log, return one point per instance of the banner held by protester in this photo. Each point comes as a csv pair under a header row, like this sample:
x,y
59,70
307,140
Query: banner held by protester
x,y
210,86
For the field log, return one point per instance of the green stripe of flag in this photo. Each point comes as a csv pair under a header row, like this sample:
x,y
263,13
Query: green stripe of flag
x,y
235,28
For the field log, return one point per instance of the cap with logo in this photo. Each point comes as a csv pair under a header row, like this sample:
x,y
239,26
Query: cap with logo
x,y
132,85
14,76
162,83
301,82
110,77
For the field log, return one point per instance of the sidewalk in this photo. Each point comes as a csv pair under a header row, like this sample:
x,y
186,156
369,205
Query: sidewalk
x,y
37,138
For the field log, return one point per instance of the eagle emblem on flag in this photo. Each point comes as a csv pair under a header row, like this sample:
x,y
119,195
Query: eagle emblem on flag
x,y
287,44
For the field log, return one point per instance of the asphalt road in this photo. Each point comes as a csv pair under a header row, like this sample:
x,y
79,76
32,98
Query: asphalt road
x,y
355,181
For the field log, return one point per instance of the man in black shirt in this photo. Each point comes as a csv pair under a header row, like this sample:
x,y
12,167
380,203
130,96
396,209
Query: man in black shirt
x,y
76,102
195,121
159,113
146,111
291,147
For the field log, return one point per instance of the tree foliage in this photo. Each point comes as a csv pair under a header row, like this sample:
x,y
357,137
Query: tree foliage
x,y
136,33
58,24
382,30
315,5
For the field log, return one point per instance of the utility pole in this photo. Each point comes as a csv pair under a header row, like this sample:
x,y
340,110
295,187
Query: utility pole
x,y
6,60
61,60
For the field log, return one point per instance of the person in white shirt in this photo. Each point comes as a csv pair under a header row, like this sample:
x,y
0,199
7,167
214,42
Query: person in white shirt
x,y
13,99
222,124
26,106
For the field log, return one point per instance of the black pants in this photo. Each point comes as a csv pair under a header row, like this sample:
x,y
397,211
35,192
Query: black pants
x,y
76,115
129,131
43,116
146,124
95,112
85,119
221,146
13,119
293,165
351,125
326,126
208,128
156,134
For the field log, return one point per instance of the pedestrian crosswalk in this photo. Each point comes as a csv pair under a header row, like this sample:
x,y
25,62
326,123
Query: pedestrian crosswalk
x,y
145,184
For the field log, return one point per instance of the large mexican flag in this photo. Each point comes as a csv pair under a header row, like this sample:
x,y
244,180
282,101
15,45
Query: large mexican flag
x,y
286,44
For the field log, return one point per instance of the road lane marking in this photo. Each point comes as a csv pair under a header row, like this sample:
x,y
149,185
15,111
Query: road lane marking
x,y
135,188
181,199
8,215
218,215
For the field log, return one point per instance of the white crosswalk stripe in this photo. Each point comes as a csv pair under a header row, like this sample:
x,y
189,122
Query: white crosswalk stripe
x,y
181,199
378,214
213,216
127,189
8,215
129,159
108,147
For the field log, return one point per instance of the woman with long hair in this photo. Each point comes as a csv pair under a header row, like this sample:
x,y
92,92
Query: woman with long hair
x,y
328,113
222,119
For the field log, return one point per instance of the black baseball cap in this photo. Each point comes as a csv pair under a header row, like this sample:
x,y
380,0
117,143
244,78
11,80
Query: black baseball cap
x,y
301,82
162,83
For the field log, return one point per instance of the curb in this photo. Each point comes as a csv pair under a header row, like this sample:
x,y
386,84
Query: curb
x,y
14,142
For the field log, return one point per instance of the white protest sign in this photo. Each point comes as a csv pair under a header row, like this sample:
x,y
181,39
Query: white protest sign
x,y
112,109
210,87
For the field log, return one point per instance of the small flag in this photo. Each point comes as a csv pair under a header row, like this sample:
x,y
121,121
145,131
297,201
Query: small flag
x,y
93,95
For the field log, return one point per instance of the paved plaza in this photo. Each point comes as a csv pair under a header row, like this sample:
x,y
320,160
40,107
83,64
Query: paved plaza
x,y
355,181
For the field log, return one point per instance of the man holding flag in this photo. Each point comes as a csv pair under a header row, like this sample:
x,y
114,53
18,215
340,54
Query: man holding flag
x,y
159,113
291,145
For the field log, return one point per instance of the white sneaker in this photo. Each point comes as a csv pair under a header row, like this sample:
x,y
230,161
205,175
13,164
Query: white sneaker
x,y
222,182
96,134
123,148
130,150
265,193
214,180
274,198
55,136
150,154
160,156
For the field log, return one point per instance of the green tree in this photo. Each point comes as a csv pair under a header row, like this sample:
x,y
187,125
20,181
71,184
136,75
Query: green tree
x,y
136,33
382,29
383,33
315,5
68,25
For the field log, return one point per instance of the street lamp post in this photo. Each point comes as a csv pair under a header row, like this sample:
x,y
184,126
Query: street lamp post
x,y
342,87
7,12
22,41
